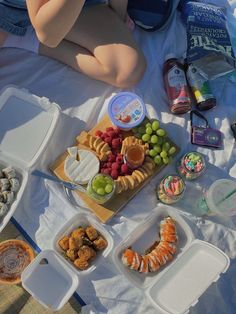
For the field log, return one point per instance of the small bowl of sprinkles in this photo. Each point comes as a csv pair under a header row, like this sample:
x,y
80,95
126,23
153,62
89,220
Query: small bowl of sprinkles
x,y
191,165
171,189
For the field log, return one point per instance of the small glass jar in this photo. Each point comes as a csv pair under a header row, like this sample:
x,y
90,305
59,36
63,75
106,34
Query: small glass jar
x,y
134,156
101,188
191,165
171,189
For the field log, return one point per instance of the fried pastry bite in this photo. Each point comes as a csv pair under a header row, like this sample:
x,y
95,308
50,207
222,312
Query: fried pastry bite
x,y
78,233
81,263
91,233
64,243
72,254
100,243
75,243
86,253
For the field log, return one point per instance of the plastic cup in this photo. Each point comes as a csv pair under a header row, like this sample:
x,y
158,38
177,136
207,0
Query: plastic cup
x,y
220,198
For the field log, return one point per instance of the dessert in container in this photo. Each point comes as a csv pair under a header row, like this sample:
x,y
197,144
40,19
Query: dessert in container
x,y
126,110
171,189
192,165
27,123
99,192
176,287
52,279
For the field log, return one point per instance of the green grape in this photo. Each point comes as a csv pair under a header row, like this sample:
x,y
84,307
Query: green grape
x,y
155,125
154,139
161,132
148,125
158,160
149,130
163,154
141,130
152,152
160,140
108,188
146,137
172,150
157,148
101,191
165,160
166,146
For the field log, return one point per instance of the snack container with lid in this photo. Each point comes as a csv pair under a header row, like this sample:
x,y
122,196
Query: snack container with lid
x,y
192,165
61,276
27,123
177,286
126,110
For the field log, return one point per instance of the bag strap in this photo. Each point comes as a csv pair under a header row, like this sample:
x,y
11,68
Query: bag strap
x,y
197,113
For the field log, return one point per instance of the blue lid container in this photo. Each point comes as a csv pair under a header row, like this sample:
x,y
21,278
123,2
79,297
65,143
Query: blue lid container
x,y
126,110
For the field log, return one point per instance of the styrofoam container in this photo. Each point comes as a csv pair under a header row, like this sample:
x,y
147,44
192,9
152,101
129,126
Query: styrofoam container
x,y
82,219
49,280
178,285
53,285
27,123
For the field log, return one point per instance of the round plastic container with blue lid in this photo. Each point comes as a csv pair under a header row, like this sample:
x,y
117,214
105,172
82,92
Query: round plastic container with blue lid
x,y
126,110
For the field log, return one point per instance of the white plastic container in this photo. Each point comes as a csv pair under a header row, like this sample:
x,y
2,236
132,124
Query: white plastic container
x,y
27,123
53,285
177,286
220,198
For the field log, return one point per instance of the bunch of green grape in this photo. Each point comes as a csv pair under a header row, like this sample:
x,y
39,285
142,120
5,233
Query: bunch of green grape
x,y
159,148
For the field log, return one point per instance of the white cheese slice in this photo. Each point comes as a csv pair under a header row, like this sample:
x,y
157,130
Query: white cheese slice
x,y
82,170
72,151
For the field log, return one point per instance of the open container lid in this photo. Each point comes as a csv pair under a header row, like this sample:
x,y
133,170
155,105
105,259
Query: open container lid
x,y
49,280
184,281
26,125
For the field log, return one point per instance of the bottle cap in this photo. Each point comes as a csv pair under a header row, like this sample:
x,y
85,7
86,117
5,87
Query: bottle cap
x,y
170,56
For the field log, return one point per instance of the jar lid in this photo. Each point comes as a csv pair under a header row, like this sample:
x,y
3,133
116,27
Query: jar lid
x,y
194,162
170,56
173,185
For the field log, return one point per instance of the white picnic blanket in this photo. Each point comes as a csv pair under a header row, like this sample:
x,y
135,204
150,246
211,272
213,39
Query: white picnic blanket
x,y
83,102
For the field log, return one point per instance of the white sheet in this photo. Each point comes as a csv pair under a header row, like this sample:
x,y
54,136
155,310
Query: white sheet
x,y
83,102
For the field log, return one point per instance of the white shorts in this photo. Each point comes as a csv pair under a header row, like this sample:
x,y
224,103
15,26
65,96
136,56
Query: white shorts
x,y
28,42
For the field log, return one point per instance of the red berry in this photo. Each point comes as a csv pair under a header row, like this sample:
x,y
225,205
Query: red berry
x,y
119,159
106,171
114,174
111,158
110,128
112,134
98,133
116,142
108,140
115,166
109,163
124,169
103,136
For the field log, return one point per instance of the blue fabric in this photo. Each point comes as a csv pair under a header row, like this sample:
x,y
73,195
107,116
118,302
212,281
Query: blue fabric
x,y
14,17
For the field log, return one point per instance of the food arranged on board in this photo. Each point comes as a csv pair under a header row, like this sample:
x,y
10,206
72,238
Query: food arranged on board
x,y
9,185
82,245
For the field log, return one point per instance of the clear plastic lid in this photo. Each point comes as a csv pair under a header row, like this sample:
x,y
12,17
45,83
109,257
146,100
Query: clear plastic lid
x,y
26,125
180,286
170,56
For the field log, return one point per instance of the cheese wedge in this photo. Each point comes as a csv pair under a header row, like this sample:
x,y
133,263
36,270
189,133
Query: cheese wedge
x,y
82,170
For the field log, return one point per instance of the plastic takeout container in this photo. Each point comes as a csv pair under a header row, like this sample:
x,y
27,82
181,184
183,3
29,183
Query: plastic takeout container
x,y
220,198
50,278
27,123
177,286
126,110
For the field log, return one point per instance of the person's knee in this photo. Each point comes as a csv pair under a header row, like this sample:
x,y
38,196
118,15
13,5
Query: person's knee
x,y
131,72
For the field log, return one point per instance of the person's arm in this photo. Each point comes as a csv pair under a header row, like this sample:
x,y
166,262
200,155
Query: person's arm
x,y
53,19
120,7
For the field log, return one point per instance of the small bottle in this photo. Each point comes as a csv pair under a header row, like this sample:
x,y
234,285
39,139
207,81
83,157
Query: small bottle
x,y
171,189
201,89
191,165
176,85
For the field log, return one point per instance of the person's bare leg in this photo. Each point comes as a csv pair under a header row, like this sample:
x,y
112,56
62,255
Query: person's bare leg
x,y
100,46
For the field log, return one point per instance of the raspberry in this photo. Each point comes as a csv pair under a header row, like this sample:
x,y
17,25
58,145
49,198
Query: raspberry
x,y
114,174
108,140
111,158
98,133
109,164
103,136
119,159
110,128
115,166
116,143
124,169
112,134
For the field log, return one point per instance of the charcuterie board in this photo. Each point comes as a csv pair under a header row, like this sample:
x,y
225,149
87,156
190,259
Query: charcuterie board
x,y
106,211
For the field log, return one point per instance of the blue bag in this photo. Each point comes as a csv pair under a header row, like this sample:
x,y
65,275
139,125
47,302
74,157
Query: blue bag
x,y
152,15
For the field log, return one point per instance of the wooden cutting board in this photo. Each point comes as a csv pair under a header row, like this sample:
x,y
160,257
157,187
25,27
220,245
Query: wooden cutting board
x,y
105,211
